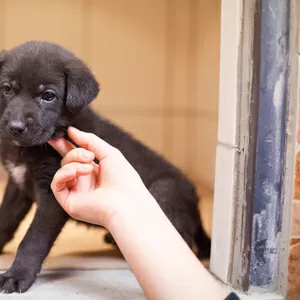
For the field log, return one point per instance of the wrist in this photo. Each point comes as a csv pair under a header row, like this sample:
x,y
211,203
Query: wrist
x,y
133,208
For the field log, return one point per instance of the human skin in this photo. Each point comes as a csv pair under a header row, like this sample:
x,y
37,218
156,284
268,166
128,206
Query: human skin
x,y
111,194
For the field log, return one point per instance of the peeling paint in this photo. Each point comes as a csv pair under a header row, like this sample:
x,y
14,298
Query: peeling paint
x,y
267,214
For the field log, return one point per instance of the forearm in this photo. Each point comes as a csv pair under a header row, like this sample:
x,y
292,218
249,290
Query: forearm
x,y
162,262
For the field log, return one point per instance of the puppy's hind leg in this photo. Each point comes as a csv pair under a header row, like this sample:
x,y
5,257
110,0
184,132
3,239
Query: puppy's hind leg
x,y
179,201
202,241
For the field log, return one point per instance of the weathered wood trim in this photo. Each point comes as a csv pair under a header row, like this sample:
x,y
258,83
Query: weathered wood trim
x,y
227,149
249,65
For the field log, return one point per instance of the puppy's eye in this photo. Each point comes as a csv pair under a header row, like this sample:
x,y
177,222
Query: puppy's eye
x,y
6,89
48,96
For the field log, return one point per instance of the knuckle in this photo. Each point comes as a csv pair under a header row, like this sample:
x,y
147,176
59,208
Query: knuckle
x,y
82,154
73,153
66,159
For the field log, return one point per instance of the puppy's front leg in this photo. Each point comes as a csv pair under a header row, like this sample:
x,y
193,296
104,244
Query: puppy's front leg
x,y
48,221
14,207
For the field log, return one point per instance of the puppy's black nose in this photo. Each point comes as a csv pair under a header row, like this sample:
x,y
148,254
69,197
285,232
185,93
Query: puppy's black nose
x,y
17,127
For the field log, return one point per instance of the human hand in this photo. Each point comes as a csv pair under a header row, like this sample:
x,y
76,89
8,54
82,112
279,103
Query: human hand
x,y
93,192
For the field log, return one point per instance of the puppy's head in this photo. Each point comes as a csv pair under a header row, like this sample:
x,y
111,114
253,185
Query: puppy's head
x,y
42,88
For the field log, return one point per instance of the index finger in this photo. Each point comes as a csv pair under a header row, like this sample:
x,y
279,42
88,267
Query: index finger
x,y
91,142
62,146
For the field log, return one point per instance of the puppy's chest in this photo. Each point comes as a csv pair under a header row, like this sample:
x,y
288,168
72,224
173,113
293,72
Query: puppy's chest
x,y
17,169
11,160
27,167
17,172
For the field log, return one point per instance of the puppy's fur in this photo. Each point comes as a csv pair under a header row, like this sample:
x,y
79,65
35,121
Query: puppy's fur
x,y
44,89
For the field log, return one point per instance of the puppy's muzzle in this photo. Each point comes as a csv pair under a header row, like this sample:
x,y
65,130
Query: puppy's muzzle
x,y
17,127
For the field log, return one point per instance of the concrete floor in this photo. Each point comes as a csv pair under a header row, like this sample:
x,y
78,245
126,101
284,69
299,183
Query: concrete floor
x,y
84,284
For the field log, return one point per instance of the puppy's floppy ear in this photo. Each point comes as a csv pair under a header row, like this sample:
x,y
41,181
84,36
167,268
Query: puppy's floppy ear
x,y
82,87
2,57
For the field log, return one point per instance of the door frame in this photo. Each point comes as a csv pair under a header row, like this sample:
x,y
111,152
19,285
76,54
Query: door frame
x,y
241,151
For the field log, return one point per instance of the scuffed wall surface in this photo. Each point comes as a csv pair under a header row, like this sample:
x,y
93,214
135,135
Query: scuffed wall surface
x,y
270,145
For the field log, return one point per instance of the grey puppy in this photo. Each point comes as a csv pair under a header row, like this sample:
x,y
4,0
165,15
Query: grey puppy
x,y
44,89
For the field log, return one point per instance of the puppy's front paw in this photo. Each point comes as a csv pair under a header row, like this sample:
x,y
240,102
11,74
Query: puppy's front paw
x,y
16,281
